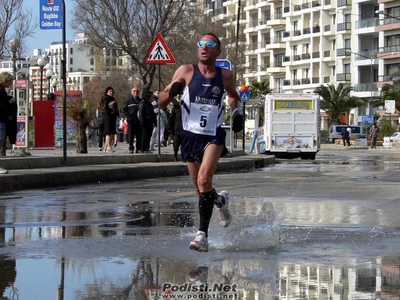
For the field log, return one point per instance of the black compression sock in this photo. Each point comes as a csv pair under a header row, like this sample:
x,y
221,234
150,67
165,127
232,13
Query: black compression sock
x,y
206,205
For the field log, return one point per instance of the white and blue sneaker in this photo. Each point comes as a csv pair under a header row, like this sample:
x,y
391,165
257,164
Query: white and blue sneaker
x,y
224,214
199,242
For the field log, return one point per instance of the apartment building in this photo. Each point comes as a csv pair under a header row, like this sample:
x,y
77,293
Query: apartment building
x,y
300,44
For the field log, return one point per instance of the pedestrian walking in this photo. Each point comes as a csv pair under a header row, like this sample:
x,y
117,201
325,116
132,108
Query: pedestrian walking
x,y
6,80
110,115
375,131
174,127
203,139
11,125
147,119
130,109
345,137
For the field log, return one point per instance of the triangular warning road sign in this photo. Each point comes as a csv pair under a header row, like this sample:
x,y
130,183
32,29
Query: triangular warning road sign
x,y
159,52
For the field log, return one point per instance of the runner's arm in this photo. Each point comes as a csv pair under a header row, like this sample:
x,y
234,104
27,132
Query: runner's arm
x,y
179,76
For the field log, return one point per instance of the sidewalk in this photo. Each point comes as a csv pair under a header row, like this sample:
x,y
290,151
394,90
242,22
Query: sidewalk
x,y
45,168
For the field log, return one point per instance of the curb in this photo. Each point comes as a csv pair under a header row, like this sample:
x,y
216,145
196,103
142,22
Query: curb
x,y
86,174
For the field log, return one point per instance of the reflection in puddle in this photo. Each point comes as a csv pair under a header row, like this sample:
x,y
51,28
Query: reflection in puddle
x,y
326,250
262,277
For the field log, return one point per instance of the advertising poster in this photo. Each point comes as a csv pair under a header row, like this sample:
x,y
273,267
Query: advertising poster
x,y
75,98
21,132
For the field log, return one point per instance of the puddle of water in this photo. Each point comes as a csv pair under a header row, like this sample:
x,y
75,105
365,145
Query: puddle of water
x,y
262,277
288,249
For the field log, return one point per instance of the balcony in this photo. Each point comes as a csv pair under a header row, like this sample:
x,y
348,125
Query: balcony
x,y
297,7
316,29
305,81
286,34
296,57
286,59
327,2
286,82
315,3
286,9
341,3
296,82
365,87
365,23
343,26
389,49
297,33
343,52
277,64
306,30
327,79
305,56
305,5
343,77
315,80
327,28
316,55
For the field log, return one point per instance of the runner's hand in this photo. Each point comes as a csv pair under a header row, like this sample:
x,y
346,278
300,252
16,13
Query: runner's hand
x,y
237,123
176,89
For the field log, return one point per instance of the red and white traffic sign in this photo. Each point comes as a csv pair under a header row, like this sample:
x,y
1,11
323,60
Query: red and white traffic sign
x,y
21,84
159,52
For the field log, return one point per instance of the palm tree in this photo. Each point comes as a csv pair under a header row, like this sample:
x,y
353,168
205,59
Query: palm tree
x,y
259,89
336,101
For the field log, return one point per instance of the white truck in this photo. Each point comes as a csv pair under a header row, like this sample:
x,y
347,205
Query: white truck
x,y
291,126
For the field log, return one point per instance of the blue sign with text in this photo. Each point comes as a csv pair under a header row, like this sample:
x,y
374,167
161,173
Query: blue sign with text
x,y
50,14
223,63
368,119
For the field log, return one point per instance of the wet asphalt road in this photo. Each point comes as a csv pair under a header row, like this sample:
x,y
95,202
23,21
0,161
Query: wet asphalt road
x,y
328,229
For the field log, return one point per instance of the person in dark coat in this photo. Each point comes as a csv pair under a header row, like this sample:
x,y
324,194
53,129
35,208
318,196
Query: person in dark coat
x,y
346,137
110,115
100,123
11,125
6,80
130,108
147,119
174,127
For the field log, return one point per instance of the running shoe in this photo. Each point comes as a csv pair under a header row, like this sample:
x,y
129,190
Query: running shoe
x,y
3,171
224,214
200,242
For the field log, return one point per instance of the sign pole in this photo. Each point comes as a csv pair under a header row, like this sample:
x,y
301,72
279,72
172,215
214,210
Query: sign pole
x,y
159,114
64,79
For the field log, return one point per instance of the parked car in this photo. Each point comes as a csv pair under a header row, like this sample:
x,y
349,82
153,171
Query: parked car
x,y
390,141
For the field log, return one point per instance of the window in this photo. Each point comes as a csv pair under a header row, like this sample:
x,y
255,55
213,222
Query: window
x,y
347,18
295,25
306,73
333,71
295,50
306,48
347,43
394,11
393,40
333,45
71,60
334,19
71,50
392,69
295,74
91,61
347,68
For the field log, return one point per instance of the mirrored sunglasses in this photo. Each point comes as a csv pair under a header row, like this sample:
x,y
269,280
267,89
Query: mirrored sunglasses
x,y
209,44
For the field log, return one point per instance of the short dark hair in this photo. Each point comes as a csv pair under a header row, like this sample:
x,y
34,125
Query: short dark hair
x,y
213,35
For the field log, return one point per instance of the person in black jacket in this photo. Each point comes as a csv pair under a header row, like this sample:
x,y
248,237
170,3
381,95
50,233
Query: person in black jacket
x,y
11,125
174,127
346,137
6,80
147,119
130,109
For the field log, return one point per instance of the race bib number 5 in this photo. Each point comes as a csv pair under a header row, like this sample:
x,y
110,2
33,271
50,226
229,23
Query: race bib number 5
x,y
203,119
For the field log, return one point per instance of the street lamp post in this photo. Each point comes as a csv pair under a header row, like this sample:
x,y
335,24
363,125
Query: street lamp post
x,y
14,48
49,74
41,63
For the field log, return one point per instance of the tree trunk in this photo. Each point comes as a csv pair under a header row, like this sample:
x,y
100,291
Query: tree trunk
x,y
81,138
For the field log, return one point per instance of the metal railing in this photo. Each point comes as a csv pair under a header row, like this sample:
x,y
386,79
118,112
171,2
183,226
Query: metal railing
x,y
365,23
365,87
343,77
